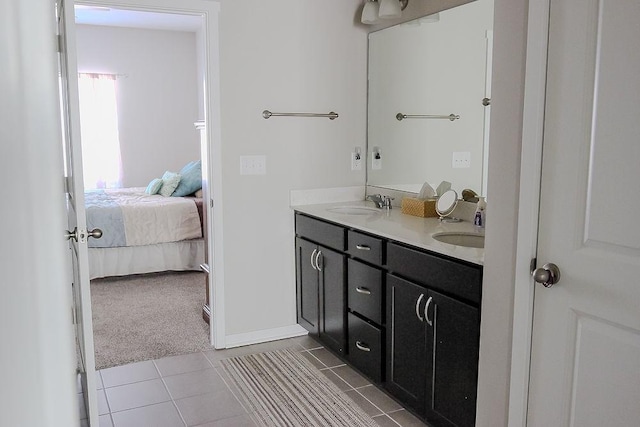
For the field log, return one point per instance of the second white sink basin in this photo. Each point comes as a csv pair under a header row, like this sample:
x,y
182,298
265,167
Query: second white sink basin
x,y
470,240
354,210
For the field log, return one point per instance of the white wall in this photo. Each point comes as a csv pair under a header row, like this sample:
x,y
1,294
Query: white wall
x,y
285,56
510,29
157,96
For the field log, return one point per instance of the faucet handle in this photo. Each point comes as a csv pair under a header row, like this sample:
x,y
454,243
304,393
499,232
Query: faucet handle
x,y
387,201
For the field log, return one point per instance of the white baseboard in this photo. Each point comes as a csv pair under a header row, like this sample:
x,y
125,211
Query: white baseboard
x,y
238,340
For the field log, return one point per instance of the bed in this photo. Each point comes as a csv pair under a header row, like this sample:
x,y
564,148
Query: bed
x,y
143,233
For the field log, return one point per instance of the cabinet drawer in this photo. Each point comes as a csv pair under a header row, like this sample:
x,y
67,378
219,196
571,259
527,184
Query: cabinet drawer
x,y
365,247
365,290
451,277
330,235
365,347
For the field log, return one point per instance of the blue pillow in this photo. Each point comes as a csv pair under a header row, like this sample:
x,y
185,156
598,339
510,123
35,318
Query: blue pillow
x,y
191,179
170,181
154,186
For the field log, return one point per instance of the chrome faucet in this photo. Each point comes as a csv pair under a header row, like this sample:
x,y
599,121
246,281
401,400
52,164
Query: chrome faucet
x,y
377,199
381,201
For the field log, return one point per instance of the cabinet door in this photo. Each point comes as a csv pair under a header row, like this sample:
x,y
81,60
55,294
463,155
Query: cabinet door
x,y
333,308
452,365
406,342
307,285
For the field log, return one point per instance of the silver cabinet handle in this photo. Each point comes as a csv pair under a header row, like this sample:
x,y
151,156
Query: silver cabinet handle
x,y
317,259
363,290
418,307
362,346
363,247
313,254
205,268
426,315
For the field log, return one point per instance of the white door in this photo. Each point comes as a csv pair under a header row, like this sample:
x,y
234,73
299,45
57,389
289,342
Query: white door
x,y
75,207
585,361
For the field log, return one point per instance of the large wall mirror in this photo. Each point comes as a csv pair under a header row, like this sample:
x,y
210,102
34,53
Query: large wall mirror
x,y
438,65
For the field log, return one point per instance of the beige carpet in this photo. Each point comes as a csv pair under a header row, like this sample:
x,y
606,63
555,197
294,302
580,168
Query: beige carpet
x,y
146,317
283,389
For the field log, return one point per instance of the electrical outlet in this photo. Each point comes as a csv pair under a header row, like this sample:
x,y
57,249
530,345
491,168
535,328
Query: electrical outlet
x,y
253,165
376,164
356,162
461,159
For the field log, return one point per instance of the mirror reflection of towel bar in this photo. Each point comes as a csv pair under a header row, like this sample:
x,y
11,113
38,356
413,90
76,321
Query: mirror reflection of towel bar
x,y
401,116
331,115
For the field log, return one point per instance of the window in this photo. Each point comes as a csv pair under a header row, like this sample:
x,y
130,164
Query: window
x,y
102,165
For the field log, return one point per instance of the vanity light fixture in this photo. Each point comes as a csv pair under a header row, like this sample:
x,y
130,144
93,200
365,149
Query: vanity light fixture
x,y
374,10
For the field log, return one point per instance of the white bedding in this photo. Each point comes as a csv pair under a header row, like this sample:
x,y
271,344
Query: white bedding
x,y
122,261
129,217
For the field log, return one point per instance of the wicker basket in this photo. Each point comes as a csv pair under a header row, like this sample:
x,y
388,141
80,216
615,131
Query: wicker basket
x,y
417,207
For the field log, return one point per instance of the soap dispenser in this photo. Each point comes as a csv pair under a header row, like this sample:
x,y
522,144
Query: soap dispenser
x,y
480,216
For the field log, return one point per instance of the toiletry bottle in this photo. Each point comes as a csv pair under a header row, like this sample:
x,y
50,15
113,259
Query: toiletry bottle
x,y
480,216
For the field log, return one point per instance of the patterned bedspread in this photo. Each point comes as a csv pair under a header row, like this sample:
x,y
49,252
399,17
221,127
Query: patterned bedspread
x,y
129,217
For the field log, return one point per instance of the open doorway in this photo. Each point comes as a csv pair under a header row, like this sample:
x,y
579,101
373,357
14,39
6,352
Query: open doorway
x,y
145,71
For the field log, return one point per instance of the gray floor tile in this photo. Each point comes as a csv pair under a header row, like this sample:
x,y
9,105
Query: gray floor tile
x,y
406,419
194,383
105,420
209,407
307,342
136,395
240,421
352,378
314,360
159,415
339,382
326,357
181,364
103,406
379,398
99,384
363,403
127,374
385,421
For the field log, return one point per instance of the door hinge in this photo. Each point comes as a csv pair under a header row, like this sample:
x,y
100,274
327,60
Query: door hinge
x,y
533,265
60,43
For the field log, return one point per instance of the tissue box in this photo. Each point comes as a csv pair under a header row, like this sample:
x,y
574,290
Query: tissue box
x,y
417,207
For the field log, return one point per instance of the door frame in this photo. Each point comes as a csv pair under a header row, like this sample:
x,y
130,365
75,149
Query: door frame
x,y
210,33
535,81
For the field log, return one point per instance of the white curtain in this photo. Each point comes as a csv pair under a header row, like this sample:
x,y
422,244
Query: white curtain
x,y
102,165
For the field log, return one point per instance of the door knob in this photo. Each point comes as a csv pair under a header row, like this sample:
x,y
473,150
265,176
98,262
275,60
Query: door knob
x,y
78,235
548,275
96,233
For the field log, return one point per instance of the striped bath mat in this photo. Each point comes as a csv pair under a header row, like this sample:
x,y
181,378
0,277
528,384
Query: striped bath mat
x,y
282,388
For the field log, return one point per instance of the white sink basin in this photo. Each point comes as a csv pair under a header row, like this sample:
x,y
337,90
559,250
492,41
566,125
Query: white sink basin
x,y
354,210
470,240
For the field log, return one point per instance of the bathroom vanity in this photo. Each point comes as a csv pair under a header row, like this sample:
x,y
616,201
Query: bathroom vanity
x,y
401,307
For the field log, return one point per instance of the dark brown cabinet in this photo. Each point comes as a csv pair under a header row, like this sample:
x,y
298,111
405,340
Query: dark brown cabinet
x,y
432,338
321,291
406,318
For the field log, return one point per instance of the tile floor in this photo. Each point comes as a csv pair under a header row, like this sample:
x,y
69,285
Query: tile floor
x,y
191,390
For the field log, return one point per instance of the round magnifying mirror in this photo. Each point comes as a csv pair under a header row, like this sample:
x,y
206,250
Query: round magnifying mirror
x,y
446,203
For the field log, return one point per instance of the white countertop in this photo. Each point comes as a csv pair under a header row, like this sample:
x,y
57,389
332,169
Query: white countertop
x,y
395,225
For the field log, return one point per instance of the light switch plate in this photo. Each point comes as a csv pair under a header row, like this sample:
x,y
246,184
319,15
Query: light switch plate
x,y
253,165
461,159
